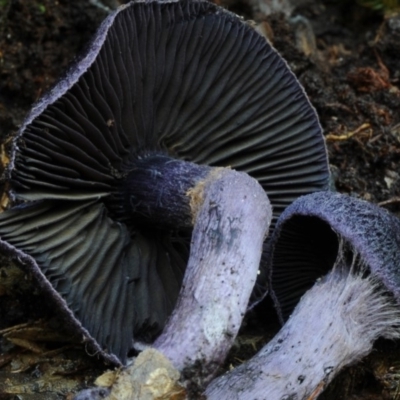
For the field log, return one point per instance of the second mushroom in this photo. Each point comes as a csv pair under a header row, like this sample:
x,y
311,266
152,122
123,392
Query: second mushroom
x,y
338,258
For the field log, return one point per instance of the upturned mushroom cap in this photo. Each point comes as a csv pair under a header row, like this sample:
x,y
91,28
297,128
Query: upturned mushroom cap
x,y
183,79
188,79
307,238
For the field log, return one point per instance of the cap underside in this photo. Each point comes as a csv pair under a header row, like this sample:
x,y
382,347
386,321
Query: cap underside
x,y
120,292
184,78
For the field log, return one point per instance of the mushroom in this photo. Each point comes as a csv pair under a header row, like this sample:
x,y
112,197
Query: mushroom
x,y
140,141
343,253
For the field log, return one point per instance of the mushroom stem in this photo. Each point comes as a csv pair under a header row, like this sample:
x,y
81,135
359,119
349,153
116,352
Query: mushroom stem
x,y
156,190
335,324
232,215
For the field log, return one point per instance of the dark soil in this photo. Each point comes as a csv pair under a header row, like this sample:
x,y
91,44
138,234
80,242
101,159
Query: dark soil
x,y
348,59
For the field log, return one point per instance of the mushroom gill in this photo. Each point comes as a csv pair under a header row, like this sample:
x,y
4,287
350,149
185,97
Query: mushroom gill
x,y
101,166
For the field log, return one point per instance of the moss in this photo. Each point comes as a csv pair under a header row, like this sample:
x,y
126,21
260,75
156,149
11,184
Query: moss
x,y
380,5
41,7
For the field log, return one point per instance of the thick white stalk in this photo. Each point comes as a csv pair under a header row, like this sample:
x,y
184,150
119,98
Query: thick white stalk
x,y
232,215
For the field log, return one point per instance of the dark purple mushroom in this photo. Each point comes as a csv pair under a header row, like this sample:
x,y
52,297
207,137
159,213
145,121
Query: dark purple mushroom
x,y
107,163
348,252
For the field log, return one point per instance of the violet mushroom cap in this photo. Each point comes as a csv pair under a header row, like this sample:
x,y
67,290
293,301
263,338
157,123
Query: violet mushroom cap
x,y
334,275
160,82
305,244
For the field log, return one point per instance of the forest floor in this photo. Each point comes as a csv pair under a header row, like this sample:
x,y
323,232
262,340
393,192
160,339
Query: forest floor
x,y
348,59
